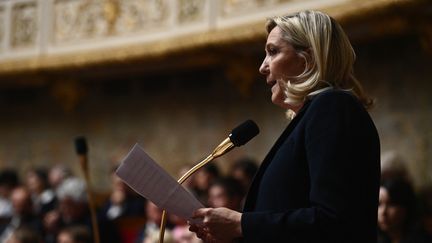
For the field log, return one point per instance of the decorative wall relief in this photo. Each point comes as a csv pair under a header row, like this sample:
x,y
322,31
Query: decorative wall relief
x,y
24,24
231,7
78,19
138,15
2,28
191,10
89,19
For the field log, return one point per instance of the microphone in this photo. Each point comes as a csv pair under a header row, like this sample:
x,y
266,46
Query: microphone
x,y
81,145
81,150
239,136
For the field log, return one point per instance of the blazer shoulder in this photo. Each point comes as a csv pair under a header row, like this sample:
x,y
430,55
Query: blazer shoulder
x,y
334,94
335,97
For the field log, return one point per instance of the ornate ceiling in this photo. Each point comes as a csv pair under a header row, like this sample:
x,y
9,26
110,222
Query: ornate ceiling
x,y
50,35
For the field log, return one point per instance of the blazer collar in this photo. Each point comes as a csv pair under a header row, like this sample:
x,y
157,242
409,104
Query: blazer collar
x,y
251,195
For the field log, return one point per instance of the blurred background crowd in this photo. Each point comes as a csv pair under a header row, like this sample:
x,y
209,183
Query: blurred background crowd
x,y
51,205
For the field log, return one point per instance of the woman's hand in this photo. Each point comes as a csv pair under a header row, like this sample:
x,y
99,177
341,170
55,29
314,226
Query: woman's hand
x,y
219,224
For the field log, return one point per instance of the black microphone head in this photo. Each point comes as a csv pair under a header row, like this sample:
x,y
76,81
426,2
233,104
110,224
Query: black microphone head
x,y
81,145
243,133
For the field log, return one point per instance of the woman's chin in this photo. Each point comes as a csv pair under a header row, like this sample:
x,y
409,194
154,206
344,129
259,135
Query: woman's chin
x,y
280,103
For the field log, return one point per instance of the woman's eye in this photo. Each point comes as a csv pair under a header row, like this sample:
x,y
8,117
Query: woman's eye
x,y
272,51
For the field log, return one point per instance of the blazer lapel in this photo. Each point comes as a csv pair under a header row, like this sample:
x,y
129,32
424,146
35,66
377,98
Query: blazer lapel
x,y
253,190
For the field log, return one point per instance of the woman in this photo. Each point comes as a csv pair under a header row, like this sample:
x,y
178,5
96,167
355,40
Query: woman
x,y
396,212
226,192
43,197
320,181
74,234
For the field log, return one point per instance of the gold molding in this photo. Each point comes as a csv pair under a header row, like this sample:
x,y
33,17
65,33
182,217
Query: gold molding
x,y
344,13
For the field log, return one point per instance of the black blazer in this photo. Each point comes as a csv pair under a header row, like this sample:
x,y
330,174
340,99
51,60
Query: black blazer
x,y
320,181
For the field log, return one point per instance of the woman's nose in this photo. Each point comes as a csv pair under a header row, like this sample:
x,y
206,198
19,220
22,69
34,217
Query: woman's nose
x,y
264,69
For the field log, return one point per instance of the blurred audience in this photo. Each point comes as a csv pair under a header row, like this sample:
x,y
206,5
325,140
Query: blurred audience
x,y
424,233
153,237
23,214
123,201
8,181
203,178
75,234
244,171
43,197
189,183
57,174
151,228
24,235
396,211
68,220
226,192
394,166
74,211
182,234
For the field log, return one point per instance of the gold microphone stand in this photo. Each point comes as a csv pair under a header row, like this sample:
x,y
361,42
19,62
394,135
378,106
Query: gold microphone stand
x,y
81,147
220,150
84,168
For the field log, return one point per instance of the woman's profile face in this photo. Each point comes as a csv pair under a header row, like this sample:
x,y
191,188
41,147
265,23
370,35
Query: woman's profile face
x,y
280,64
390,216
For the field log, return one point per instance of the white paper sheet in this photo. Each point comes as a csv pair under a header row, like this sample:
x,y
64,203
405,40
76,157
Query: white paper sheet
x,y
147,178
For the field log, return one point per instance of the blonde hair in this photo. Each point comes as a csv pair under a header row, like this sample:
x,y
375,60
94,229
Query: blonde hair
x,y
329,56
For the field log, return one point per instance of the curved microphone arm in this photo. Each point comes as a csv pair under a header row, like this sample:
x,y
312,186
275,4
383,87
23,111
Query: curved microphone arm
x,y
220,150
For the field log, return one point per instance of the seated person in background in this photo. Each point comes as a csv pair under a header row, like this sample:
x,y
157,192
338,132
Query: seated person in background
x,y
23,215
244,171
226,192
154,237
43,197
396,211
123,201
393,166
57,174
182,234
203,178
25,235
74,211
151,228
74,234
424,233
180,231
8,181
189,184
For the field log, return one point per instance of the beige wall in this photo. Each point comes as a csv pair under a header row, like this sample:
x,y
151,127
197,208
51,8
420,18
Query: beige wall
x,y
179,117
177,121
397,72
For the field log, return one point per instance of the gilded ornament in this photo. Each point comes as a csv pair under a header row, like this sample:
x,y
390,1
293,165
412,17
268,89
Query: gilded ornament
x,y
191,10
24,24
111,10
2,28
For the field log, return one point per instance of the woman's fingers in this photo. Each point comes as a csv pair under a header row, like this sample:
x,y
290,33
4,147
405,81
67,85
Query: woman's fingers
x,y
218,224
